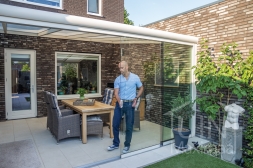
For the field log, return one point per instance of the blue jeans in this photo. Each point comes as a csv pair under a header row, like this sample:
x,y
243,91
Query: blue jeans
x,y
128,110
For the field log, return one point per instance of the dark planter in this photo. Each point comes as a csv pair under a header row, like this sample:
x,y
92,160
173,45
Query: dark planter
x,y
181,138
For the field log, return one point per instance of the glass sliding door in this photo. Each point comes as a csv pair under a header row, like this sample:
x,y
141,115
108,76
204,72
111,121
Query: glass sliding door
x,y
140,55
165,71
176,80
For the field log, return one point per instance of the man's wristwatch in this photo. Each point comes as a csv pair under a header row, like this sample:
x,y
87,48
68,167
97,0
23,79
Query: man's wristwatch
x,y
136,97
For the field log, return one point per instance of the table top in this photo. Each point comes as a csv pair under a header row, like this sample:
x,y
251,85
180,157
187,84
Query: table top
x,y
98,106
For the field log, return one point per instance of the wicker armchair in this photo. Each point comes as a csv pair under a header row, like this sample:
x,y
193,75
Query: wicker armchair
x,y
49,114
64,125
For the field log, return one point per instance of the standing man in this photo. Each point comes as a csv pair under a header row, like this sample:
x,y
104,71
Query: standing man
x,y
125,92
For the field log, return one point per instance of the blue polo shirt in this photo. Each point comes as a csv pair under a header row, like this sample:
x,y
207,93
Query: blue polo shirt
x,y
127,88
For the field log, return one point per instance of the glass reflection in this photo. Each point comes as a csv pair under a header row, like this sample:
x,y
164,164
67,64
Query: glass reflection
x,y
20,73
47,2
76,71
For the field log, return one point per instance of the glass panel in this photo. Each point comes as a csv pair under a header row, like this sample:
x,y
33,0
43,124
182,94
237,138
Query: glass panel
x,y
140,55
47,2
93,6
30,29
20,79
77,71
175,76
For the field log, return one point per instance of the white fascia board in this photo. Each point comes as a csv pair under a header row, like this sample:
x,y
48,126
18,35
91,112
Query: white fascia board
x,y
77,23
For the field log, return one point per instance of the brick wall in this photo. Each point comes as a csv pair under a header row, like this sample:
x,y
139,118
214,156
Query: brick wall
x,y
225,21
45,62
112,10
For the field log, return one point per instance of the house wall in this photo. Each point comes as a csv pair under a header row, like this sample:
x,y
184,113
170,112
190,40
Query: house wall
x,y
225,21
112,10
45,62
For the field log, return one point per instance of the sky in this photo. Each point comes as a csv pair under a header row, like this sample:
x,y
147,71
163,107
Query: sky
x,y
147,11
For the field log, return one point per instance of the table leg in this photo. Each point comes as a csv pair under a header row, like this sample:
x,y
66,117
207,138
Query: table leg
x,y
84,128
111,118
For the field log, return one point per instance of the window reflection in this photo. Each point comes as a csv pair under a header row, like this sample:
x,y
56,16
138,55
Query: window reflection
x,y
47,2
75,71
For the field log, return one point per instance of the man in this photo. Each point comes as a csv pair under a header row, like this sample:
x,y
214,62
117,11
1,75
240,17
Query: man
x,y
125,89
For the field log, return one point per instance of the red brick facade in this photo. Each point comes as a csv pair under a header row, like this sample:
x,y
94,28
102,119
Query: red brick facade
x,y
112,10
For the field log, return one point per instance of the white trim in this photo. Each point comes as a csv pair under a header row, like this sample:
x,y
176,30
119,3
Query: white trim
x,y
77,23
98,94
39,4
23,113
99,9
193,89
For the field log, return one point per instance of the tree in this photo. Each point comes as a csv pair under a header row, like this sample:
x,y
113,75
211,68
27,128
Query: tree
x,y
25,67
126,19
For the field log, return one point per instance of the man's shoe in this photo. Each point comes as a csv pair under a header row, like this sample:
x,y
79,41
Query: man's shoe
x,y
112,147
126,149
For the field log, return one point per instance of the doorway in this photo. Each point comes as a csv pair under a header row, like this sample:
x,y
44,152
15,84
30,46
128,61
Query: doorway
x,y
20,84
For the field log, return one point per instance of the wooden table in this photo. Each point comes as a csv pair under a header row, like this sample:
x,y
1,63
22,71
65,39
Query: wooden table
x,y
98,108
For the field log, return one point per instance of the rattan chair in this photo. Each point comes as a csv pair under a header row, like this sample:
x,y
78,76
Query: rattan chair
x,y
49,114
64,125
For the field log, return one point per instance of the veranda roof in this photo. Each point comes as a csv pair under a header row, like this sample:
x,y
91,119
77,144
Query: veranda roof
x,y
24,21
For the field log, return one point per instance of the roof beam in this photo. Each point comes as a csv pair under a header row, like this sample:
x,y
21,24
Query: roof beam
x,y
4,27
48,31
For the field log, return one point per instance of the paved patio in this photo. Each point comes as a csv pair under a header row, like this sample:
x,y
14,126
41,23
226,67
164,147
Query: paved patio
x,y
72,153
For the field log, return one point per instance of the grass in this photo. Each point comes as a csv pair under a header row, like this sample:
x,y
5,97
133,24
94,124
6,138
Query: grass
x,y
193,159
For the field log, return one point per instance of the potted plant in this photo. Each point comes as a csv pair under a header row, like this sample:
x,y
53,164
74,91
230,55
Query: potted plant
x,y
63,90
70,71
71,74
181,108
81,92
93,88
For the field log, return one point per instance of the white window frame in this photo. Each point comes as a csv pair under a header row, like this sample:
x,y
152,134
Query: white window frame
x,y
72,96
99,9
38,4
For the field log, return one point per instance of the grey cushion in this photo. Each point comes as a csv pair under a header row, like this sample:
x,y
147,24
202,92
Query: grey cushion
x,y
93,118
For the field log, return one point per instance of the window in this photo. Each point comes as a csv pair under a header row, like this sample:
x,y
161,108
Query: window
x,y
78,70
47,3
94,7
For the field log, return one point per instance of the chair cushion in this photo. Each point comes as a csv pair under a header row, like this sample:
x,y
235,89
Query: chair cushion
x,y
93,118
108,95
56,104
